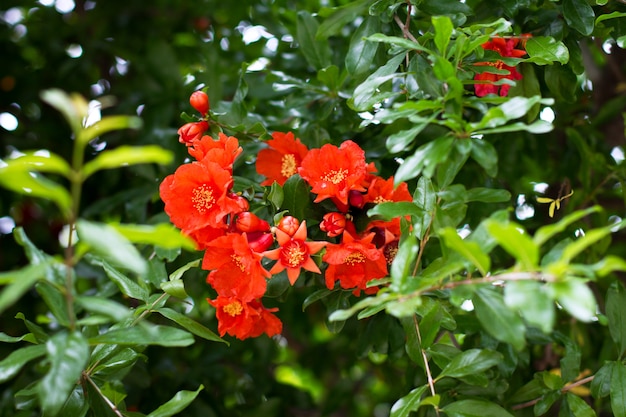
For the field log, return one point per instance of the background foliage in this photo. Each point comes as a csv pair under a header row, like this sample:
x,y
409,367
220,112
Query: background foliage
x,y
304,66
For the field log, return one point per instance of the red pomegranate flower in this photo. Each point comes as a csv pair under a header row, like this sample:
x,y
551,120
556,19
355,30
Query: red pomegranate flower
x,y
381,191
294,253
244,319
354,262
282,159
222,151
333,172
506,48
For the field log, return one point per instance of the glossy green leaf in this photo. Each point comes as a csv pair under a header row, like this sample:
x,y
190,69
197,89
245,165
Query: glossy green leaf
x,y
393,209
544,50
579,15
546,232
175,288
108,243
15,361
18,283
516,242
361,51
607,16
578,406
562,82
399,42
472,361
297,197
487,195
497,319
475,408
338,17
618,390
533,301
108,124
410,402
125,156
616,315
178,403
367,93
400,141
315,51
576,298
537,127
164,235
76,404
96,400
68,354
443,33
425,159
126,285
116,365
601,384
485,154
190,324
40,161
106,307
145,335
55,301
590,237
404,261
180,271
471,251
40,334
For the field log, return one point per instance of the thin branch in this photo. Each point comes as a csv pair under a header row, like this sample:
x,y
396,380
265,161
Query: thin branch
x,y
405,30
509,276
429,375
565,389
104,397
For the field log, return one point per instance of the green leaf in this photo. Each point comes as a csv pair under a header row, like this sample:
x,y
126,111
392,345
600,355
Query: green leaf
x,y
145,335
175,288
108,124
68,354
485,154
180,271
601,384
399,42
33,184
55,301
40,335
106,307
40,161
533,301
579,15
469,362
297,197
127,286
546,232
164,235
18,283
576,298
515,242
562,82
616,315
109,244
468,250
410,402
178,403
127,155
618,390
497,319
425,159
301,378
361,52
393,209
15,361
189,324
340,17
404,261
426,199
367,93
475,408
590,237
578,406
607,16
73,107
448,7
315,51
487,195
544,50
443,33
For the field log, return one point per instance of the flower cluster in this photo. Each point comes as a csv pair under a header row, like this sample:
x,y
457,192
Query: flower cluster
x,y
488,81
238,245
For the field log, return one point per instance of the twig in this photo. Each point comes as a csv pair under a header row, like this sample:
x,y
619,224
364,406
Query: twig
x,y
405,30
509,276
566,388
429,375
105,398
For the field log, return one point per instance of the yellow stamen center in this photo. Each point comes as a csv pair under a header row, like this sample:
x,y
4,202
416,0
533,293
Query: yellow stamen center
x,y
233,309
237,261
380,199
202,198
335,176
294,254
289,166
354,258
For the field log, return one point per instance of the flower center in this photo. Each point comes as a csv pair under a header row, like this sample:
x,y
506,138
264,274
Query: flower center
x,y
294,253
233,309
380,199
202,198
237,261
335,176
289,166
354,258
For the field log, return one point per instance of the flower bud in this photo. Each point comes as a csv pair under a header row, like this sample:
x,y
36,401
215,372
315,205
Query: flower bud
x,y
243,204
200,101
192,131
259,241
250,222
289,225
356,199
333,224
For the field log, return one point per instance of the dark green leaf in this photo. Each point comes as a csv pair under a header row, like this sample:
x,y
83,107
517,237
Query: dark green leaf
x,y
19,282
616,315
618,390
361,51
579,15
316,52
189,324
68,354
497,319
15,361
126,285
99,305
297,197
178,403
544,50
55,301
472,361
175,288
475,408
578,406
366,94
601,384
485,154
410,402
145,335
487,195
40,335
562,82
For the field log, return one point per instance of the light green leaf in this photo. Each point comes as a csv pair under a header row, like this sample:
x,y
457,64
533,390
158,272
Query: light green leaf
x,y
601,384
403,261
393,209
468,250
108,124
15,361
125,156
180,271
163,235
538,127
590,237
189,324
108,243
475,408
578,406
174,288
301,378
497,319
410,402
145,335
366,94
18,283
399,42
546,232
576,297
68,354
607,16
533,301
443,33
41,161
425,159
73,106
544,50
469,362
487,195
104,306
178,403
517,243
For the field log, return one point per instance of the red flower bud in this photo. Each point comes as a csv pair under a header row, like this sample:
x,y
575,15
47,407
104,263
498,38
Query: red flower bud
x,y
200,101
259,241
250,222
243,204
356,199
333,224
289,225
192,131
